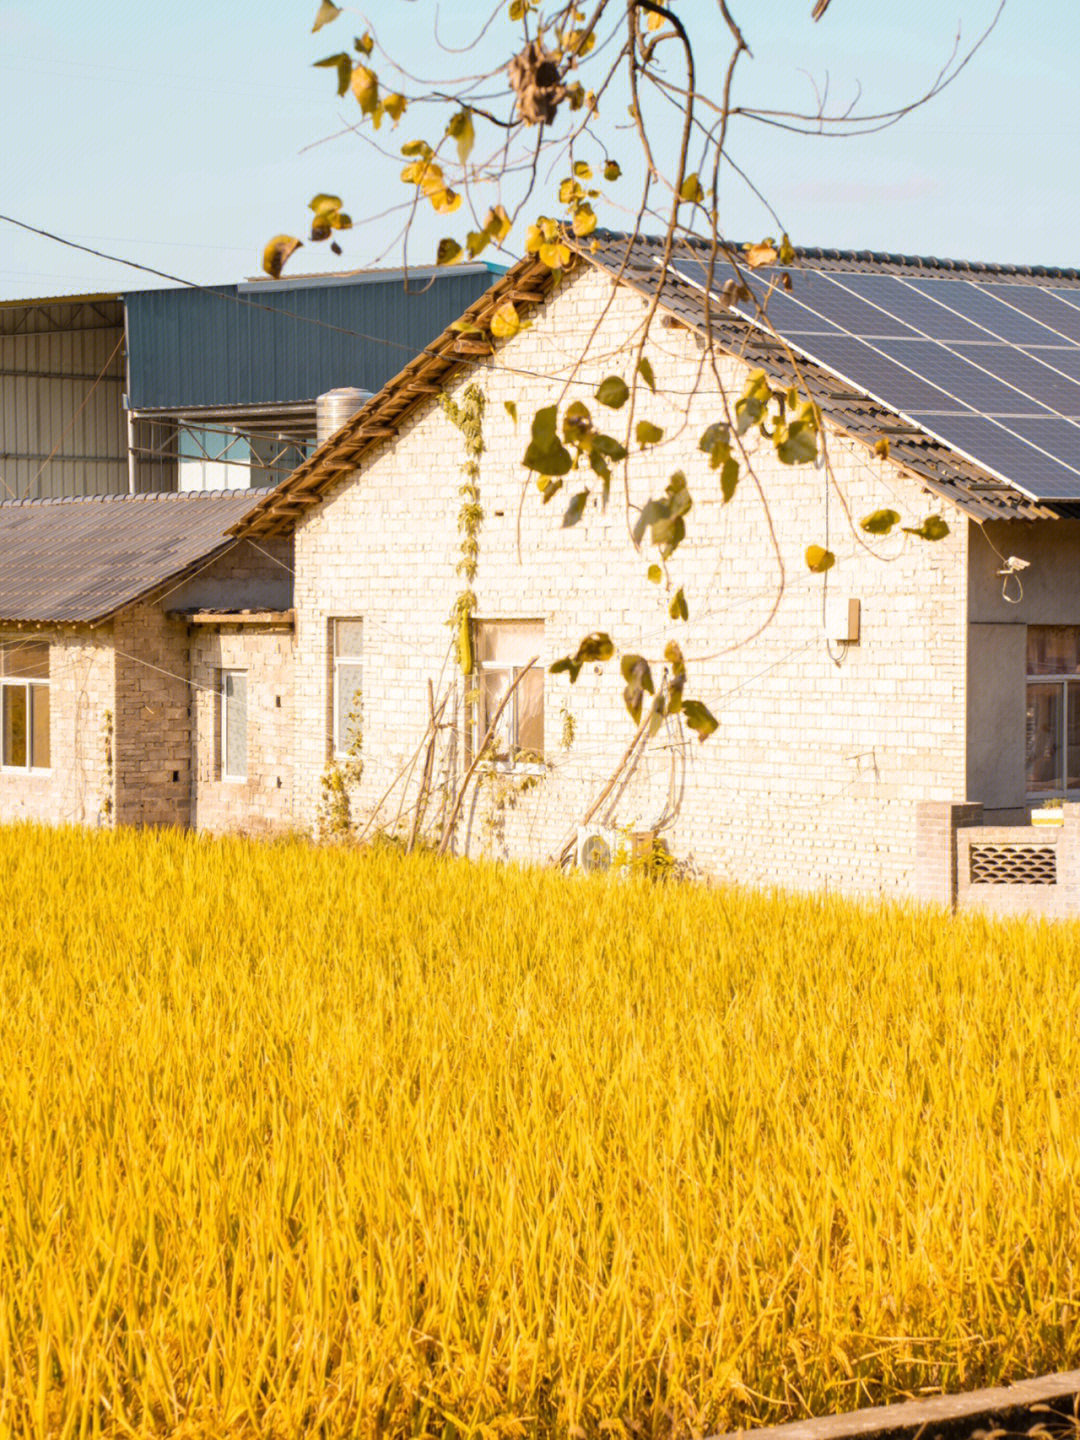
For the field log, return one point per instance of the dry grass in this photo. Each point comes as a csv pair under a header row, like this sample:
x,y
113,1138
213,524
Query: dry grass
x,y
299,1142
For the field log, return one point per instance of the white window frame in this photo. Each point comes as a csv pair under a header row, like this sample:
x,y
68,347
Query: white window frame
x,y
338,661
224,706
478,729
16,682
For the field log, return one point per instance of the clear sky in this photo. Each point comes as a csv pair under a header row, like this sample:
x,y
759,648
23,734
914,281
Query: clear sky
x,y
176,135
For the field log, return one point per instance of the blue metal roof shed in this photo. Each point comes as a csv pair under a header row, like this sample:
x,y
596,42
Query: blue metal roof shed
x,y
285,341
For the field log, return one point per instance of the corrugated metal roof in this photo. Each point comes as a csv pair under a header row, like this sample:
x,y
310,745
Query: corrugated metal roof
x,y
248,345
83,559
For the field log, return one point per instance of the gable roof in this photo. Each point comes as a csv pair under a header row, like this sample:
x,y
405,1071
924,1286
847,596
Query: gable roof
x,y
633,261
83,559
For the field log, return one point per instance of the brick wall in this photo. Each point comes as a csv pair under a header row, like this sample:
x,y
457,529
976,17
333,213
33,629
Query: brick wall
x,y
152,741
263,802
823,752
78,787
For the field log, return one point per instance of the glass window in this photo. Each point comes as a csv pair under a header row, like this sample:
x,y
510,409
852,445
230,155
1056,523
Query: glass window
x,y
503,649
1053,710
24,705
234,727
348,651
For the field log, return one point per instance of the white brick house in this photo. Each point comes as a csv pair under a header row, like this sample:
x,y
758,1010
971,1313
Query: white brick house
x,y
835,765
848,755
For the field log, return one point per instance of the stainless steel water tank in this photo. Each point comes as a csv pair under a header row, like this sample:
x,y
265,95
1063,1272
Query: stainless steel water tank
x,y
335,407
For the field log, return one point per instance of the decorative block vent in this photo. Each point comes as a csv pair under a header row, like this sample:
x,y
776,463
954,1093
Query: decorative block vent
x,y
1013,865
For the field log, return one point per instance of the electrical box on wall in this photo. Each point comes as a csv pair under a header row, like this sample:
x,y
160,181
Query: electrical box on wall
x,y
843,616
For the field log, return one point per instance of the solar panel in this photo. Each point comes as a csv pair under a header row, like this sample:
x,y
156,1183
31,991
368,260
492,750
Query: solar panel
x,y
1060,318
988,367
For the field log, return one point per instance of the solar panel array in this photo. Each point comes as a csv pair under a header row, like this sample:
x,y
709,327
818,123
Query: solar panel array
x,y
989,367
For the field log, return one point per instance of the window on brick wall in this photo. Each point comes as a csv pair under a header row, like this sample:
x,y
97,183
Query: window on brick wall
x,y
1053,710
503,650
234,725
347,643
24,705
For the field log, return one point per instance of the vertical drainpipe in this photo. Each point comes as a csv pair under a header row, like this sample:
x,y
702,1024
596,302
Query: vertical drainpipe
x,y
127,403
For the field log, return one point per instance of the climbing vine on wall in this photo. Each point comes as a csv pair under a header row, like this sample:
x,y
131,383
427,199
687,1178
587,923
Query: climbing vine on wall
x,y
468,417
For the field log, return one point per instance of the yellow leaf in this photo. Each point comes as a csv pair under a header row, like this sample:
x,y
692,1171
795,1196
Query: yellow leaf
x,y
763,254
395,106
365,86
506,322
446,201
497,224
534,239
584,222
448,252
555,255
277,252
612,170
326,13
690,189
654,21
881,447
582,170
461,129
819,559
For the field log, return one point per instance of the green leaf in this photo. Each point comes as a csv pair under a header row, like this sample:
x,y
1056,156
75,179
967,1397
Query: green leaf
x,y
674,657
342,63
545,424
932,528
326,13
700,718
655,574
647,433
729,479
819,559
678,608
448,253
575,509
880,522
636,667
613,392
511,409
552,458
549,488
594,649
797,443
609,447
577,422
645,370
461,129
751,404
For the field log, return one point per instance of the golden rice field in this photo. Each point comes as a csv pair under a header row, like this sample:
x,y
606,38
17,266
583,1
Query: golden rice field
x,y
309,1142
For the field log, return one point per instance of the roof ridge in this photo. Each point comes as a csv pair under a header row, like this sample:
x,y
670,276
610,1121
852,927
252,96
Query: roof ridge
x,y
145,496
878,259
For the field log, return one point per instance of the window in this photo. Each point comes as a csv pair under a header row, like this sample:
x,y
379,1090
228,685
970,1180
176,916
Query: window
x,y
503,649
1053,710
24,705
347,639
234,726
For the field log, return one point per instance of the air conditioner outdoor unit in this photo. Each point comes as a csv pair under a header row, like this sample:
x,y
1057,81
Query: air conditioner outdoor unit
x,y
596,845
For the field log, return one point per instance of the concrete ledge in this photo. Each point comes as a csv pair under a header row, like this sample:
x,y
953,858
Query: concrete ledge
x,y
1013,1408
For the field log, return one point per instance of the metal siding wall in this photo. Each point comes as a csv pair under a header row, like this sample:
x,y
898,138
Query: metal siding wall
x,y
192,348
45,376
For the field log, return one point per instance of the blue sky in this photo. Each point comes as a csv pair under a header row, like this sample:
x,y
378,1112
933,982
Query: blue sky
x,y
177,136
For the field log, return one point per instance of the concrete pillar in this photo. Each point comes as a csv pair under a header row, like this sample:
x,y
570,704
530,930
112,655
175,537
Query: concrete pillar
x,y
937,822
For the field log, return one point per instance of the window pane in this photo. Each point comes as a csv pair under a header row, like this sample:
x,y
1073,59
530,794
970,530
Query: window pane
x,y
493,686
39,726
234,724
530,710
14,707
349,639
347,699
1043,738
26,659
509,642
1053,649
